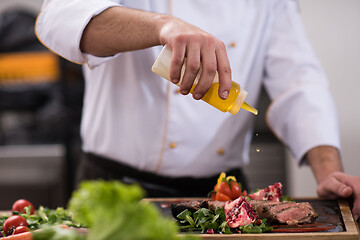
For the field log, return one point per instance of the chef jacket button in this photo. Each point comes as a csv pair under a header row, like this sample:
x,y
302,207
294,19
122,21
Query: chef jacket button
x,y
172,145
220,151
232,44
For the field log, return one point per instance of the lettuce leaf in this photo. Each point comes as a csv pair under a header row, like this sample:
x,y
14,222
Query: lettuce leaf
x,y
57,233
112,210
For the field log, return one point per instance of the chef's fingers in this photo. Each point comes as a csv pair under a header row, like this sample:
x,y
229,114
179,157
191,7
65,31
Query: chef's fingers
x,y
208,61
339,184
224,71
354,183
332,188
192,66
356,208
178,56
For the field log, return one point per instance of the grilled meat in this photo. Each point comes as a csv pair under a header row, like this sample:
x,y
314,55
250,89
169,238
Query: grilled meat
x,y
212,205
291,213
177,208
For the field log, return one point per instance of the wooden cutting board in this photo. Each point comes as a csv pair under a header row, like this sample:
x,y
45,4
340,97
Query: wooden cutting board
x,y
330,212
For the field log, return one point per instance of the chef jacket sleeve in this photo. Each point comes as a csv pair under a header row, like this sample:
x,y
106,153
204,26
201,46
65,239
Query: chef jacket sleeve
x,y
302,113
61,23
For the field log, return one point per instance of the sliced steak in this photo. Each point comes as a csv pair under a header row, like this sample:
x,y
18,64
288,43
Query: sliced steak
x,y
195,205
275,209
261,207
300,213
290,213
212,205
177,208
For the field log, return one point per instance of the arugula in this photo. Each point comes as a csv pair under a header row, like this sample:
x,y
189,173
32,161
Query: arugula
x,y
2,220
44,216
59,216
286,198
204,219
251,228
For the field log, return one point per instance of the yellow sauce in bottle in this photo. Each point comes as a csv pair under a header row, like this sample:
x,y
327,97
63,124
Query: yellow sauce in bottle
x,y
229,104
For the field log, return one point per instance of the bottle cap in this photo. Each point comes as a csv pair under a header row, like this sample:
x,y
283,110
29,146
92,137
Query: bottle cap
x,y
234,109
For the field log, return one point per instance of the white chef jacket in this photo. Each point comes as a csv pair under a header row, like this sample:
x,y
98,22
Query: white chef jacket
x,y
134,116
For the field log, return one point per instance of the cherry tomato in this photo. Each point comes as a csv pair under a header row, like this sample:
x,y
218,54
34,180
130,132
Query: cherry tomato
x,y
20,204
222,197
12,223
235,190
224,188
20,229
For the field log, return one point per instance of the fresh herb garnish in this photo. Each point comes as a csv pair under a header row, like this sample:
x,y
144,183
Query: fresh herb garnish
x,y
44,216
254,228
285,198
204,220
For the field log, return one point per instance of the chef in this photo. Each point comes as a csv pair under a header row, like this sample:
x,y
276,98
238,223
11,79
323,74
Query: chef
x,y
138,127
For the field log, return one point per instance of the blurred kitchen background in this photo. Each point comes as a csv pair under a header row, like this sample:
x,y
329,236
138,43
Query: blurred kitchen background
x,y
39,119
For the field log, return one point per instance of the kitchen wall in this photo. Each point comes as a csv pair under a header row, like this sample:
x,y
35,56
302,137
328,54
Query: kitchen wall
x,y
333,29
33,5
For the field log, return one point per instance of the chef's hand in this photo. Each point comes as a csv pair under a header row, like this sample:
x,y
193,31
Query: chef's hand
x,y
332,181
186,40
341,185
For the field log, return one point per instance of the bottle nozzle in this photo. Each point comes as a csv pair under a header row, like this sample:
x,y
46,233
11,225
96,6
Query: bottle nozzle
x,y
249,108
240,103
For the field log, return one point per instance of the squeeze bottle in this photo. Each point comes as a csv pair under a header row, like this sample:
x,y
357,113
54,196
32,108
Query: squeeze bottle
x,y
232,104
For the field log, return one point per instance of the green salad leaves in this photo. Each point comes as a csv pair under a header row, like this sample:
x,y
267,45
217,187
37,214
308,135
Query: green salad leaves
x,y
57,233
44,216
206,221
254,228
203,220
